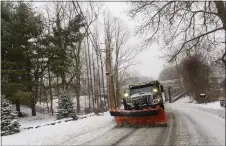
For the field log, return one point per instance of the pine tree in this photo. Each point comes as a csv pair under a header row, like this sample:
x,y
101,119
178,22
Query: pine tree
x,y
22,29
9,124
65,108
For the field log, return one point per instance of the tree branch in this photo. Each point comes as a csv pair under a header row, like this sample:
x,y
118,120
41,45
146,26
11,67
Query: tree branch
x,y
192,40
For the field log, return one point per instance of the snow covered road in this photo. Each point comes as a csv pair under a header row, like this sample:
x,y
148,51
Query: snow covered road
x,y
187,125
197,127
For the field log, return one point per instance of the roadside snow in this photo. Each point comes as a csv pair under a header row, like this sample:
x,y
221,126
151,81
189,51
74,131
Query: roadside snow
x,y
212,107
215,105
41,119
186,99
83,103
61,133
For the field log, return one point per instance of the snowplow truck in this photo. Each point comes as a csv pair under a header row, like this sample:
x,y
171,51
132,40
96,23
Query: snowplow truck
x,y
143,105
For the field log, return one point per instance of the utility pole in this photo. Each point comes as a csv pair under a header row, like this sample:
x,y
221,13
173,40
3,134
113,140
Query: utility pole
x,y
169,92
109,76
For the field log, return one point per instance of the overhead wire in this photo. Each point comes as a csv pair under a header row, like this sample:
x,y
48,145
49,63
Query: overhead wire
x,y
88,29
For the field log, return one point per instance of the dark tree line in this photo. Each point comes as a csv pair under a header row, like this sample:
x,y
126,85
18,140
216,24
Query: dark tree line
x,y
46,52
41,55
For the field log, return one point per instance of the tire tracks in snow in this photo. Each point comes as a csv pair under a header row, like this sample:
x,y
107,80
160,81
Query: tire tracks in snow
x,y
134,136
153,135
124,137
168,134
111,137
71,138
195,134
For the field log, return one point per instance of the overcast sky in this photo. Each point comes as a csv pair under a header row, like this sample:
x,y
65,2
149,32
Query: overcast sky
x,y
148,62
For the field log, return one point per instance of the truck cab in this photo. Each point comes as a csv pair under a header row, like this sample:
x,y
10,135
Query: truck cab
x,y
144,95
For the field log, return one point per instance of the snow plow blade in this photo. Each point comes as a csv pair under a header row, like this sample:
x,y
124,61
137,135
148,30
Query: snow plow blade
x,y
147,117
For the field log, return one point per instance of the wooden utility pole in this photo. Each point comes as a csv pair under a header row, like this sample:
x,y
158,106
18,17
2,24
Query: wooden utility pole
x,y
169,92
109,76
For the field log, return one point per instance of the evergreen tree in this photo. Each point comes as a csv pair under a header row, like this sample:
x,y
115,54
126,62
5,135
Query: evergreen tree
x,y
65,107
27,29
22,30
12,70
9,124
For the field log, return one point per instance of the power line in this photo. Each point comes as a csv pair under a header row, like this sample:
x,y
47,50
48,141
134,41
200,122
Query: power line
x,y
88,29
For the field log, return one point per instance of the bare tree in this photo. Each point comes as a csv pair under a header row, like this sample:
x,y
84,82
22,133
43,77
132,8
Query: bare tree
x,y
182,25
120,38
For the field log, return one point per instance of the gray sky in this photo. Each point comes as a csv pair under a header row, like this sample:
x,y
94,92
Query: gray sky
x,y
148,62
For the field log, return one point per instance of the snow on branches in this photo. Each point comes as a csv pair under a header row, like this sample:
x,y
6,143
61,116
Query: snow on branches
x,y
65,107
9,124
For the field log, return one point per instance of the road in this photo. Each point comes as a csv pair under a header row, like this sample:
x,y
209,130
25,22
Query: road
x,y
186,126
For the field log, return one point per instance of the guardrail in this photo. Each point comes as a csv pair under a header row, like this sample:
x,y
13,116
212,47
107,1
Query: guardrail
x,y
179,95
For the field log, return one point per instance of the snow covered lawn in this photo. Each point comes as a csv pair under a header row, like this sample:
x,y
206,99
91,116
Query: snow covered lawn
x,y
80,131
31,121
83,103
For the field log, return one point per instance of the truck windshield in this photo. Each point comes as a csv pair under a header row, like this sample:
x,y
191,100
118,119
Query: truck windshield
x,y
140,89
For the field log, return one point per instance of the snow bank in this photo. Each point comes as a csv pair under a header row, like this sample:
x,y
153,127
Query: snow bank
x,y
61,133
186,99
215,105
212,107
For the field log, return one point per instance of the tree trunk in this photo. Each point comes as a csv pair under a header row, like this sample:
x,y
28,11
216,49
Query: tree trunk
x,y
64,86
87,72
33,110
99,82
50,91
94,80
117,88
78,77
35,97
33,107
93,85
90,72
30,86
40,91
47,102
102,73
77,90
58,89
18,107
221,12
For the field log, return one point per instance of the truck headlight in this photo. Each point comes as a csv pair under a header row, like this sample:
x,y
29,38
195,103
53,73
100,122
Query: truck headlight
x,y
157,100
126,94
155,90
